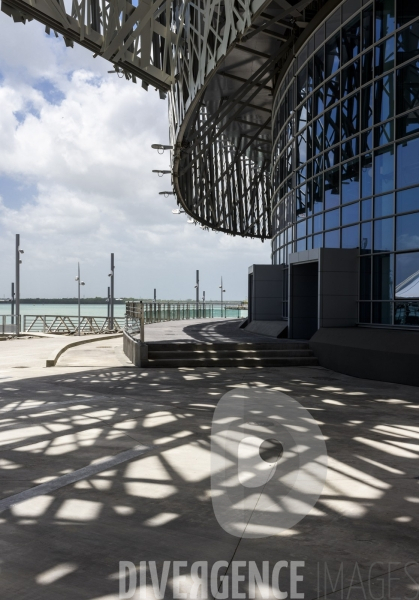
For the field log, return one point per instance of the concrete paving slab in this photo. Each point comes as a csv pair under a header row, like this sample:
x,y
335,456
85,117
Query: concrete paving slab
x,y
67,542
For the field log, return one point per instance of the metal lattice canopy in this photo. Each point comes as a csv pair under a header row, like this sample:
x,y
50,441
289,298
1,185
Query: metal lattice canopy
x,y
219,61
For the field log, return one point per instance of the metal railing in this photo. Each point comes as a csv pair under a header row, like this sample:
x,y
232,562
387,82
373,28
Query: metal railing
x,y
66,325
143,313
8,325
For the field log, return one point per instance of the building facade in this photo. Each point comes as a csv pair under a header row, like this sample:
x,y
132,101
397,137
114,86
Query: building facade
x,y
345,156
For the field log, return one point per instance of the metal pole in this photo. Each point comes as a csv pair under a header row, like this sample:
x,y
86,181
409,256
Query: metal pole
x,y
221,308
197,294
78,288
17,283
13,303
203,304
112,288
109,303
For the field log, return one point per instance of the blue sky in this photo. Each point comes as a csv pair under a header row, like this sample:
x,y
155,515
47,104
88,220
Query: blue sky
x,y
76,182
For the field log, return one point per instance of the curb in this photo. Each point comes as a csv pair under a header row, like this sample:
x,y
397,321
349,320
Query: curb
x,y
53,358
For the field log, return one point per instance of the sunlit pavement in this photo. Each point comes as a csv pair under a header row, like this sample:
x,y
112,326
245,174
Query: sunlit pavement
x,y
66,541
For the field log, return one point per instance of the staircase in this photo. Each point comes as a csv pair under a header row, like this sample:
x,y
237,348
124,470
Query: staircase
x,y
287,354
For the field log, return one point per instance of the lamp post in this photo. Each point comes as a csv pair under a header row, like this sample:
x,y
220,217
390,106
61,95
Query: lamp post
x,y
197,294
13,303
108,300
79,283
203,304
222,291
17,283
112,276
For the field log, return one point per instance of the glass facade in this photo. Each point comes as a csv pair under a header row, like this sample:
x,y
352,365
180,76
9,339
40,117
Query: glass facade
x,y
346,152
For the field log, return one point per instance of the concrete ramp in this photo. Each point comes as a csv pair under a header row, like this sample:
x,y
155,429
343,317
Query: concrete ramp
x,y
271,328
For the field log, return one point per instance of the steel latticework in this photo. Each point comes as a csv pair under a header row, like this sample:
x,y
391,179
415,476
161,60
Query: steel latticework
x,y
218,61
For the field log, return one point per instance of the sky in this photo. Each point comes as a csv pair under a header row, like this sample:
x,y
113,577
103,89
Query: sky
x,y
76,183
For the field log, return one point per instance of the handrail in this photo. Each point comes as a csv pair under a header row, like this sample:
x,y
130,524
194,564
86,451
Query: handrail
x,y
140,313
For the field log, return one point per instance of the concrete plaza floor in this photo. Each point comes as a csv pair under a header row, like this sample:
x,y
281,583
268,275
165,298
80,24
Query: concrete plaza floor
x,y
122,460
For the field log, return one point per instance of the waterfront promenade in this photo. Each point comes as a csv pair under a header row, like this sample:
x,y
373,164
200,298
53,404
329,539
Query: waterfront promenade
x,y
123,458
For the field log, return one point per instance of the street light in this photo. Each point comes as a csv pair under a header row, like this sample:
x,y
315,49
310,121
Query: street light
x,y
197,293
222,291
18,263
79,283
112,276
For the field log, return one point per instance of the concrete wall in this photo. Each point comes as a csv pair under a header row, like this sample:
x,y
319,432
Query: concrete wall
x,y
266,292
380,354
135,350
337,273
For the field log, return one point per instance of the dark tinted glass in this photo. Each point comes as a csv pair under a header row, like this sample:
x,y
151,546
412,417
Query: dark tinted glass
x,y
332,57
384,205
384,56
331,219
384,98
350,181
332,239
366,237
384,18
351,78
407,124
319,67
365,283
407,275
331,188
366,209
383,235
408,43
332,127
408,200
407,163
367,66
332,91
350,214
407,233
366,107
350,149
367,28
383,134
350,237
366,166
350,116
351,40
383,277
384,170
407,87
406,11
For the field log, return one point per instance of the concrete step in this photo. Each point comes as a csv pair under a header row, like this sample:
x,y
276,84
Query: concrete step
x,y
215,361
228,346
209,353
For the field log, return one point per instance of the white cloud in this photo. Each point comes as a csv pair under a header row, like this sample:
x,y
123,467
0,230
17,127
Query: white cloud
x,y
81,138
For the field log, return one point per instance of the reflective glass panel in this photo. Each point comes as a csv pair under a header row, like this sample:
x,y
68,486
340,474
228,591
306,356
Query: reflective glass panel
x,y
384,98
407,43
366,107
383,206
350,181
350,78
406,313
350,116
332,239
406,11
318,240
366,209
384,56
367,66
384,18
319,67
366,166
350,237
332,56
332,91
318,223
350,214
408,200
351,40
367,27
383,134
383,235
381,313
331,188
350,148
407,124
365,279
407,275
332,127
383,278
408,163
384,170
407,232
331,219
407,87
366,237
